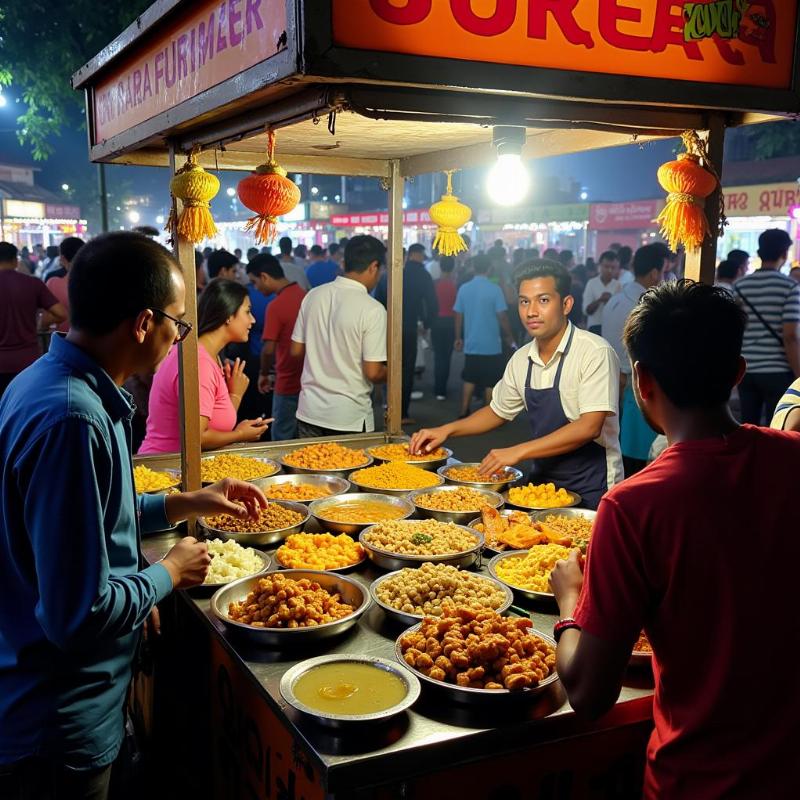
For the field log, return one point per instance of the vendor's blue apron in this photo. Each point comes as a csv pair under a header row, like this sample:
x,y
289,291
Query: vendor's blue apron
x,y
583,470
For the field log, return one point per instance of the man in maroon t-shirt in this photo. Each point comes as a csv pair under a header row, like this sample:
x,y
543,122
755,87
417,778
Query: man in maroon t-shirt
x,y
21,298
700,549
267,275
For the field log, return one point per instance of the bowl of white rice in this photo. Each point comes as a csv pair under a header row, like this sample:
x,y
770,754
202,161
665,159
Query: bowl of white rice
x,y
230,561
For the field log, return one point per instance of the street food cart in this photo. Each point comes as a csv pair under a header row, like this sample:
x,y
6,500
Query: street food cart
x,y
391,90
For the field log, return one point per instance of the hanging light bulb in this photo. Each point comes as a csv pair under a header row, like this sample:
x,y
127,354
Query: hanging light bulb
x,y
508,180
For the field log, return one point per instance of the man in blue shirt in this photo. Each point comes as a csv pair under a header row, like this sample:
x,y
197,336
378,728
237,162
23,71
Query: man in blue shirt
x,y
75,596
481,314
320,269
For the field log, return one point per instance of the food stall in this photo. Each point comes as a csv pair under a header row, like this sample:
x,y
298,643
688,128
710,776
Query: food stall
x,y
375,88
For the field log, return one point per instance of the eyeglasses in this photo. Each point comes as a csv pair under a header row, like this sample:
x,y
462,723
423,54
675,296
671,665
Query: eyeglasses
x,y
184,328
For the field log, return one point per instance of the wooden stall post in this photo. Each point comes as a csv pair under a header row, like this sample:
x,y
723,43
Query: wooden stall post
x,y
188,372
395,265
701,263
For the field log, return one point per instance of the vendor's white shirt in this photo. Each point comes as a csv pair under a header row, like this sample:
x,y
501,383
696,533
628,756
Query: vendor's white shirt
x,y
341,327
589,382
594,290
626,276
614,315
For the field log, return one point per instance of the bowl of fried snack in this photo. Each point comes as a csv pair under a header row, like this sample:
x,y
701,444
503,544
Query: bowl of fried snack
x,y
398,451
411,542
538,497
151,481
468,474
642,654
527,572
302,487
320,551
274,523
233,465
408,595
328,457
291,607
351,513
506,529
394,477
571,527
474,657
453,503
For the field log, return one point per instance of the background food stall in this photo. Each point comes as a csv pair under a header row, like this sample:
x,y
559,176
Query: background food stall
x,y
373,88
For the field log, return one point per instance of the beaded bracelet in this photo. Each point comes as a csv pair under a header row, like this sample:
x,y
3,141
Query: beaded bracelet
x,y
564,624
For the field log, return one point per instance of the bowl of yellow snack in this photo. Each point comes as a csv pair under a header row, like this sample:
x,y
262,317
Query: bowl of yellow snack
x,y
527,572
302,488
398,451
151,481
453,503
233,465
351,513
539,497
467,475
275,522
394,477
327,457
322,551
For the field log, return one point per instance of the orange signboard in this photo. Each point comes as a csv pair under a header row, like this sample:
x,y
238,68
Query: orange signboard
x,y
215,41
735,42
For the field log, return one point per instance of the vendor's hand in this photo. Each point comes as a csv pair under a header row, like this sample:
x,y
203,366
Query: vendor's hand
x,y
235,379
238,498
251,430
458,345
566,581
427,439
265,383
187,562
496,460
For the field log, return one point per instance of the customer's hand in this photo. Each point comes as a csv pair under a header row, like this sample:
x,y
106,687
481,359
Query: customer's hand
x,y
251,430
235,379
228,496
187,563
427,439
458,345
566,581
266,383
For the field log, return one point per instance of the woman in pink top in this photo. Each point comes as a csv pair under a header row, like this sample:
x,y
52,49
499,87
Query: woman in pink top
x,y
224,317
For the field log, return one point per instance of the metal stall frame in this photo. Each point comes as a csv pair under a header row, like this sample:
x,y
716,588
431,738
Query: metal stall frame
x,y
391,115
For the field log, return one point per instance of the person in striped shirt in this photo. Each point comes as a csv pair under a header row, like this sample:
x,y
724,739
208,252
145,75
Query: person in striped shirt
x,y
772,339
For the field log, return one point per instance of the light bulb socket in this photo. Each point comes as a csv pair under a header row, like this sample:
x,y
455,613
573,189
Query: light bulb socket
x,y
508,139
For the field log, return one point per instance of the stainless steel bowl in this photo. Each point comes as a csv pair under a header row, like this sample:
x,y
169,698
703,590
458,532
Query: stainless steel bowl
x,y
319,509
347,568
528,594
351,592
394,492
513,475
568,513
576,498
430,464
410,619
338,721
270,468
176,474
341,473
465,696
332,483
210,588
460,517
506,512
387,559
259,538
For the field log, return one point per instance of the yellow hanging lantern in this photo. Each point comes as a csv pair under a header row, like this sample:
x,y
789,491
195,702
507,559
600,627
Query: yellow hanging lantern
x,y
195,188
449,215
688,183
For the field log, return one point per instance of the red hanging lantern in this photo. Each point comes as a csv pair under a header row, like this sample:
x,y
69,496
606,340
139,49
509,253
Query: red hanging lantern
x,y
269,193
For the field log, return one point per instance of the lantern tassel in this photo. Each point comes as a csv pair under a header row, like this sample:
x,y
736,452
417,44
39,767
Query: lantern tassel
x,y
449,242
683,219
264,227
195,188
196,222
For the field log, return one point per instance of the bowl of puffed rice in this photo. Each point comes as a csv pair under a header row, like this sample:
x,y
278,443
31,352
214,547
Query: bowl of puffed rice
x,y
230,562
396,544
274,524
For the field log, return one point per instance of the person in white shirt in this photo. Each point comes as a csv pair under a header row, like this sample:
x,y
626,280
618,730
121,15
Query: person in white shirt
x,y
341,332
636,436
566,380
728,272
295,272
625,272
599,290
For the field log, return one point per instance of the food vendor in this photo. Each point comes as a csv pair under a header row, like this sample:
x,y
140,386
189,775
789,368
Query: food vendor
x,y
566,380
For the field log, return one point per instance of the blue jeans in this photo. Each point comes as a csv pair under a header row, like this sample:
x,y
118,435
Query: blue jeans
x,y
284,409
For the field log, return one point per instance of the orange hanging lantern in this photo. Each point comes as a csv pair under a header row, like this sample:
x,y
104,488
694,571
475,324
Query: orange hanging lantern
x,y
195,188
449,214
269,193
688,183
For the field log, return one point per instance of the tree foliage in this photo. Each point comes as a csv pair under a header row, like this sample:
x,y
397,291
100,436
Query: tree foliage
x,y
42,43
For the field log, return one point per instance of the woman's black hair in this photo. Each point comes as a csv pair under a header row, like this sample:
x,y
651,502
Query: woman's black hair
x,y
220,301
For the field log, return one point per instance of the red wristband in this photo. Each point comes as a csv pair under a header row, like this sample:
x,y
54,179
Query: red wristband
x,y
562,625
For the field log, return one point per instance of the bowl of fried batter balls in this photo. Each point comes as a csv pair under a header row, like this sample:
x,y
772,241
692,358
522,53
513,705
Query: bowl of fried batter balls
x,y
476,656
275,522
290,607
